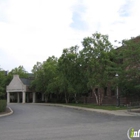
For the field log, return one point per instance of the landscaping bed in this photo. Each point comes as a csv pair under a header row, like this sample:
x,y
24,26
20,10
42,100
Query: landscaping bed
x,y
3,105
7,110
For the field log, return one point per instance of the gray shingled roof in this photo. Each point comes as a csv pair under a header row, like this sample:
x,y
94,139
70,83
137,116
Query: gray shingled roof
x,y
26,81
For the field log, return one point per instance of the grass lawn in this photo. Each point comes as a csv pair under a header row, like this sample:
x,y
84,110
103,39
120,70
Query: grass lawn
x,y
105,107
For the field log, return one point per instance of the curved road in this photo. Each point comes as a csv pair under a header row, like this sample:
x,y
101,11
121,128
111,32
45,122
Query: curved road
x,y
40,122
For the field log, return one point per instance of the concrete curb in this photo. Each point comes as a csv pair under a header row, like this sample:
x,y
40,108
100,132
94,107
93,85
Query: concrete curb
x,y
7,114
116,113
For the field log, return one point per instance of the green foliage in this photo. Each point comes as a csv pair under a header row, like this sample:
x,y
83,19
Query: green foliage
x,y
97,57
76,73
129,75
19,70
70,73
45,76
2,83
3,105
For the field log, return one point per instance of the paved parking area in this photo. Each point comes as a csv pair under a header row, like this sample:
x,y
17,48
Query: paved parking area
x,y
40,122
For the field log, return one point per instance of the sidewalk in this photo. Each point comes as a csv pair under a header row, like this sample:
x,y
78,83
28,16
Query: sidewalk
x,y
116,113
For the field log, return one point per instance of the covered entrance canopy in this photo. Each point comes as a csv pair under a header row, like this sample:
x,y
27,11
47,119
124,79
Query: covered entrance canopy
x,y
18,90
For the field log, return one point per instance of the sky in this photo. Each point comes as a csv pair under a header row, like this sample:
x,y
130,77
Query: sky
x,y
33,30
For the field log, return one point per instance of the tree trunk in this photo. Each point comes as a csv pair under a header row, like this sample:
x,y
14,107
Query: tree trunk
x,y
85,100
102,99
75,97
66,98
96,97
46,99
99,97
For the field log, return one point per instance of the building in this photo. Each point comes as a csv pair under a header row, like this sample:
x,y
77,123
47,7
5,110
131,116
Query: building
x,y
18,90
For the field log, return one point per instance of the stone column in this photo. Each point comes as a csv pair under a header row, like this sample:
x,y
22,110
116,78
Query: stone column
x,y
18,98
34,97
8,97
23,97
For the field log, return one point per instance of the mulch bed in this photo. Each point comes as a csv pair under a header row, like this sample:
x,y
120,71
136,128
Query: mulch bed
x,y
6,111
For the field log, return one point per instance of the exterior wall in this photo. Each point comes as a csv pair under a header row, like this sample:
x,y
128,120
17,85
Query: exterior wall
x,y
108,99
18,91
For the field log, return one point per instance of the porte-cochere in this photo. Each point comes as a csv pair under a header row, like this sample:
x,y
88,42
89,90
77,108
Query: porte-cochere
x,y
18,90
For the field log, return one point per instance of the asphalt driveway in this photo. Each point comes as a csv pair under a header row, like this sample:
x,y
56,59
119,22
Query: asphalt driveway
x,y
40,122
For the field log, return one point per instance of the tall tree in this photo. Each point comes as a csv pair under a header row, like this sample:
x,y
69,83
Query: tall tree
x,y
130,67
2,83
45,77
98,56
38,82
68,68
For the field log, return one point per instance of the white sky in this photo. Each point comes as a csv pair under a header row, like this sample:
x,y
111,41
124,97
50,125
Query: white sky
x,y
33,30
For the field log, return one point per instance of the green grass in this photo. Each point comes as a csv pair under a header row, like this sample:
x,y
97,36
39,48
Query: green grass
x,y
104,107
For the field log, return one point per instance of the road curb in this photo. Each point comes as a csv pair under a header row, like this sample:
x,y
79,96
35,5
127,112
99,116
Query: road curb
x,y
7,114
115,113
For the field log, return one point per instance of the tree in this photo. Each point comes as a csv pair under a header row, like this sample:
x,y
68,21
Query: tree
x,y
2,83
68,68
45,77
38,83
50,72
98,54
18,70
129,77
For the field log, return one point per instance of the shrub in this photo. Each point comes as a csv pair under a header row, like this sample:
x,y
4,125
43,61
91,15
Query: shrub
x,y
3,105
